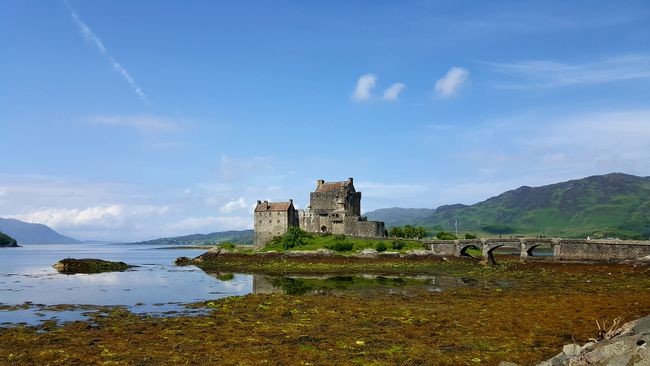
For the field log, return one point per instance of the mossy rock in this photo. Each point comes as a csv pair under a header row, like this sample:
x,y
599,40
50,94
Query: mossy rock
x,y
88,265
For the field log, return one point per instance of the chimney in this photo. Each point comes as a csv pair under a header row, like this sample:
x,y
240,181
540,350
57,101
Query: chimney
x,y
350,180
266,203
320,182
290,202
259,202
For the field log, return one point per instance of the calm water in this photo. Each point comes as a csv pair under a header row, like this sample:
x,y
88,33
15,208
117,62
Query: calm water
x,y
155,286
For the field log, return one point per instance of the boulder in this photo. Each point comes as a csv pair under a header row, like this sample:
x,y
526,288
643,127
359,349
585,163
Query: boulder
x,y
628,345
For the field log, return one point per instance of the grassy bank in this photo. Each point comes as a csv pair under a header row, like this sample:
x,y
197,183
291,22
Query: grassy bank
x,y
300,240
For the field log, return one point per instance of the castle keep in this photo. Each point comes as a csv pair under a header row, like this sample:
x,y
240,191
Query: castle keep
x,y
334,207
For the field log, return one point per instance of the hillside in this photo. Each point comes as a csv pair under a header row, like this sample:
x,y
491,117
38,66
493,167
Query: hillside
x,y
28,233
233,236
397,216
612,205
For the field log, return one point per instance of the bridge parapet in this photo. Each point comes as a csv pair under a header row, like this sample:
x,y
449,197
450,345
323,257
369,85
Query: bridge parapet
x,y
563,249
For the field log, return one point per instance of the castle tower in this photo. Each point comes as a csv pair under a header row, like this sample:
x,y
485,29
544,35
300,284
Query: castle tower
x,y
272,219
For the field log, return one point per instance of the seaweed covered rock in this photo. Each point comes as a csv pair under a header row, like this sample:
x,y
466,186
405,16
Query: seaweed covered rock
x,y
88,265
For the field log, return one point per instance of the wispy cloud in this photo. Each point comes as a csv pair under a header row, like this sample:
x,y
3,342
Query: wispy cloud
x,y
91,37
363,90
449,85
548,74
392,93
144,123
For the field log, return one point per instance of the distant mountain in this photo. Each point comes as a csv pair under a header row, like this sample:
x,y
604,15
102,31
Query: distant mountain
x,y
233,236
27,233
612,205
397,216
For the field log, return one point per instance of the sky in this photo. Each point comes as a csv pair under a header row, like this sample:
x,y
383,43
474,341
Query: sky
x,y
131,120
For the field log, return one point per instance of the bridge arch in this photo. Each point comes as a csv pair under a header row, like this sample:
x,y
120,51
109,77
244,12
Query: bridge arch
x,y
488,250
528,249
466,247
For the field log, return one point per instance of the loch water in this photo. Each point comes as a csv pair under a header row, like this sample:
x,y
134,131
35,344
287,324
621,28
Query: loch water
x,y
155,285
31,291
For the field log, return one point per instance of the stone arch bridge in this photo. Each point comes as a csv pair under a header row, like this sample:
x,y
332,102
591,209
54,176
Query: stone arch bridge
x,y
563,249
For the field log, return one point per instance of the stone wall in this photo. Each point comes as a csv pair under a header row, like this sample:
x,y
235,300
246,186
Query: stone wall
x,y
271,224
575,250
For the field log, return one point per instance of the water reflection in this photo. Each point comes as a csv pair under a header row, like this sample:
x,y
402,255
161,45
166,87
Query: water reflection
x,y
301,285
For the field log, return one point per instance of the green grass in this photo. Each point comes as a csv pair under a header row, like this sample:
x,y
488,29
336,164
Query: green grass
x,y
318,241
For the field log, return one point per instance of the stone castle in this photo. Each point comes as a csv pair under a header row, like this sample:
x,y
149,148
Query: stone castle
x,y
334,207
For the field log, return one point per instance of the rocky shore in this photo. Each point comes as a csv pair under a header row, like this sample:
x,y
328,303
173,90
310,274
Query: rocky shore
x,y
627,345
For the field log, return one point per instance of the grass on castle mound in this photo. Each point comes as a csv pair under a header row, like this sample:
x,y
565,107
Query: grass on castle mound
x,y
320,241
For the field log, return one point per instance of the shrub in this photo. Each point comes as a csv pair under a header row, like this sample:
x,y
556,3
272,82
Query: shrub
x,y
340,246
470,236
443,235
227,246
397,244
381,247
294,237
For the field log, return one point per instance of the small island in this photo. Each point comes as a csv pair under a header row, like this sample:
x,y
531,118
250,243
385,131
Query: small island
x,y
88,265
7,241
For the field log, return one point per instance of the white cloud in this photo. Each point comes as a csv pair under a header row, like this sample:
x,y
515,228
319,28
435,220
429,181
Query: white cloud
x,y
112,216
451,83
91,37
392,93
143,123
363,90
213,223
235,205
547,74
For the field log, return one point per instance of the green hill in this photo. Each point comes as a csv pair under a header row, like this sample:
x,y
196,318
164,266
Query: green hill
x,y
397,216
233,236
612,205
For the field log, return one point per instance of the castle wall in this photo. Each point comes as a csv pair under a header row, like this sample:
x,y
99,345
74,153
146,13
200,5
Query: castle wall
x,y
271,224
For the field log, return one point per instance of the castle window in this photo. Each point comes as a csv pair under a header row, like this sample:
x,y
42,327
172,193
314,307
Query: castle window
x,y
278,221
270,221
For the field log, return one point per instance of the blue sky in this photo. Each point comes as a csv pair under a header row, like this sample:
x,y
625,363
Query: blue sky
x,y
124,120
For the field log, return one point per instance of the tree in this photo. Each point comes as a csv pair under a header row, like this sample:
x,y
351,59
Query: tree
x,y
396,232
421,232
470,236
7,241
409,231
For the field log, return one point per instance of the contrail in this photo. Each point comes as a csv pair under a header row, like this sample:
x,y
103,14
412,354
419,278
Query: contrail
x,y
91,37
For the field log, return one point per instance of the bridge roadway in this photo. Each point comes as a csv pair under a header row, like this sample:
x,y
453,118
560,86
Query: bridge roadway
x,y
563,249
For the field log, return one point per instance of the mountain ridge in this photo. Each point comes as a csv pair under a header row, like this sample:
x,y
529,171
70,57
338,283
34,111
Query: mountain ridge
x,y
29,233
610,205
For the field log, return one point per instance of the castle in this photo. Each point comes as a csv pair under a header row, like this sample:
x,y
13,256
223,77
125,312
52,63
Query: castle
x,y
334,207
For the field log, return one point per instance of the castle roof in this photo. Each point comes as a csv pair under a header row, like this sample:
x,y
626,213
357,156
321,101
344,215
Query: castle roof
x,y
332,186
272,206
